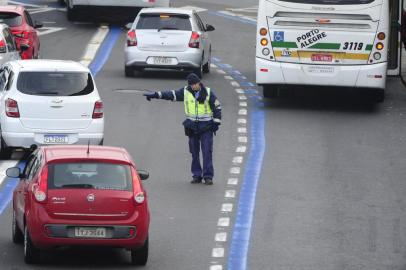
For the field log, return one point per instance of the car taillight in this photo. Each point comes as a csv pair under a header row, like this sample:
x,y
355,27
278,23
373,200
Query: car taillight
x,y
139,194
12,108
2,46
98,110
40,189
131,38
194,40
139,197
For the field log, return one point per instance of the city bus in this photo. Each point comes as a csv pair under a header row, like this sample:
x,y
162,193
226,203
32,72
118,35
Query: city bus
x,y
341,43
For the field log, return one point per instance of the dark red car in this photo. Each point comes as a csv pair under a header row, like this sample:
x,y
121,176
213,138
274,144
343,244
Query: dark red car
x,y
75,195
23,28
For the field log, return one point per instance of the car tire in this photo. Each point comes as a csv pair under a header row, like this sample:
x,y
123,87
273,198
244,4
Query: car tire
x,y
207,66
270,91
140,256
129,71
5,151
199,71
101,142
31,253
17,234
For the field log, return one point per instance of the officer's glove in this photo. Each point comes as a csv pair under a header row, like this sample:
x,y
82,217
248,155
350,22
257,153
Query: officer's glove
x,y
215,127
150,96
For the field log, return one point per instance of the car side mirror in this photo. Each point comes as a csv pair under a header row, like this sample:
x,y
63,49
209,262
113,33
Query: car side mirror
x,y
13,172
210,28
24,47
129,25
144,175
38,25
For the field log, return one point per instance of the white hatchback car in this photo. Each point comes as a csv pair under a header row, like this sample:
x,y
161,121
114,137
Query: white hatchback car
x,y
48,102
169,38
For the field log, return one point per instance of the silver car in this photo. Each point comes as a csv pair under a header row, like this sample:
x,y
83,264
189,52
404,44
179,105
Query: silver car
x,y
168,38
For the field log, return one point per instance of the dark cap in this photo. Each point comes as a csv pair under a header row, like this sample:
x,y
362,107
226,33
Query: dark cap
x,y
192,79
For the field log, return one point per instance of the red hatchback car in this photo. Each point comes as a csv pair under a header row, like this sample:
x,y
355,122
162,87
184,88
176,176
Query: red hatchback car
x,y
80,195
23,28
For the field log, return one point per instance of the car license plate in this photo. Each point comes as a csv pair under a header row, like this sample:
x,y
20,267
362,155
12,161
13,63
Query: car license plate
x,y
90,232
56,139
163,61
322,58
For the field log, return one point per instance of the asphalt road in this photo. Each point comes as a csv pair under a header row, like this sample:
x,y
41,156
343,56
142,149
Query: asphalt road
x,y
330,192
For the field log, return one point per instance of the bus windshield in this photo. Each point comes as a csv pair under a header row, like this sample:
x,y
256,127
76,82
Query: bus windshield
x,y
330,2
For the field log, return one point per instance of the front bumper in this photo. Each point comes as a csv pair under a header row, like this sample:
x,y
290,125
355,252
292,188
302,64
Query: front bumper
x,y
189,59
360,76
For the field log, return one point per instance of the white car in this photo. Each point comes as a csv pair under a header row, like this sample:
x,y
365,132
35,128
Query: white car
x,y
8,48
46,102
169,38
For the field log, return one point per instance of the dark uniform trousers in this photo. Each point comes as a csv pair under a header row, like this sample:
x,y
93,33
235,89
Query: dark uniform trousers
x,y
202,141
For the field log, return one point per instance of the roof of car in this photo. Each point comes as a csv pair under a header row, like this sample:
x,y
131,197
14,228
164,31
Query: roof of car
x,y
96,152
167,10
11,8
49,65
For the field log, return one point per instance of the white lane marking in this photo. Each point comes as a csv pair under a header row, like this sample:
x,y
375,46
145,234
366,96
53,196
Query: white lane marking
x,y
232,181
238,160
197,9
230,193
243,104
229,13
239,91
220,71
235,84
243,112
242,97
45,22
228,77
221,237
213,66
223,222
242,121
227,207
216,267
49,30
217,253
40,10
4,165
235,170
94,45
243,139
242,130
241,149
3,2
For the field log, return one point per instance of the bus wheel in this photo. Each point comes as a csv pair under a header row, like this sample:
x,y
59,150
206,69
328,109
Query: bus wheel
x,y
270,91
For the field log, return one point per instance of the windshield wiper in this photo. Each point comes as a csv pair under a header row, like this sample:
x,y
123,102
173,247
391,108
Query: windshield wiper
x,y
78,186
167,28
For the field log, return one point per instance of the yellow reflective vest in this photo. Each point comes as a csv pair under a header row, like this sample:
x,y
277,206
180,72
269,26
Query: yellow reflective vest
x,y
196,111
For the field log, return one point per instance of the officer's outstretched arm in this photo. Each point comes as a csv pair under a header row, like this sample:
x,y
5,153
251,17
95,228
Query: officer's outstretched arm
x,y
174,95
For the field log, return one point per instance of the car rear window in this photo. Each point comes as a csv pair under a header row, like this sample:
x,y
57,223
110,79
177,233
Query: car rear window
x,y
164,22
330,2
11,19
55,83
92,175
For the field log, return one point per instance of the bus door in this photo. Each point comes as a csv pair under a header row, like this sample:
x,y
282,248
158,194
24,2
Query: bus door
x,y
395,8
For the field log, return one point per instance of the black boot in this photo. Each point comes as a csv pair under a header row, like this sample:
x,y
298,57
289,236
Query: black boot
x,y
208,181
196,180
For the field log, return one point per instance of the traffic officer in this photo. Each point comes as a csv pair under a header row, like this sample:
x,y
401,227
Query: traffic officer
x,y
203,118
